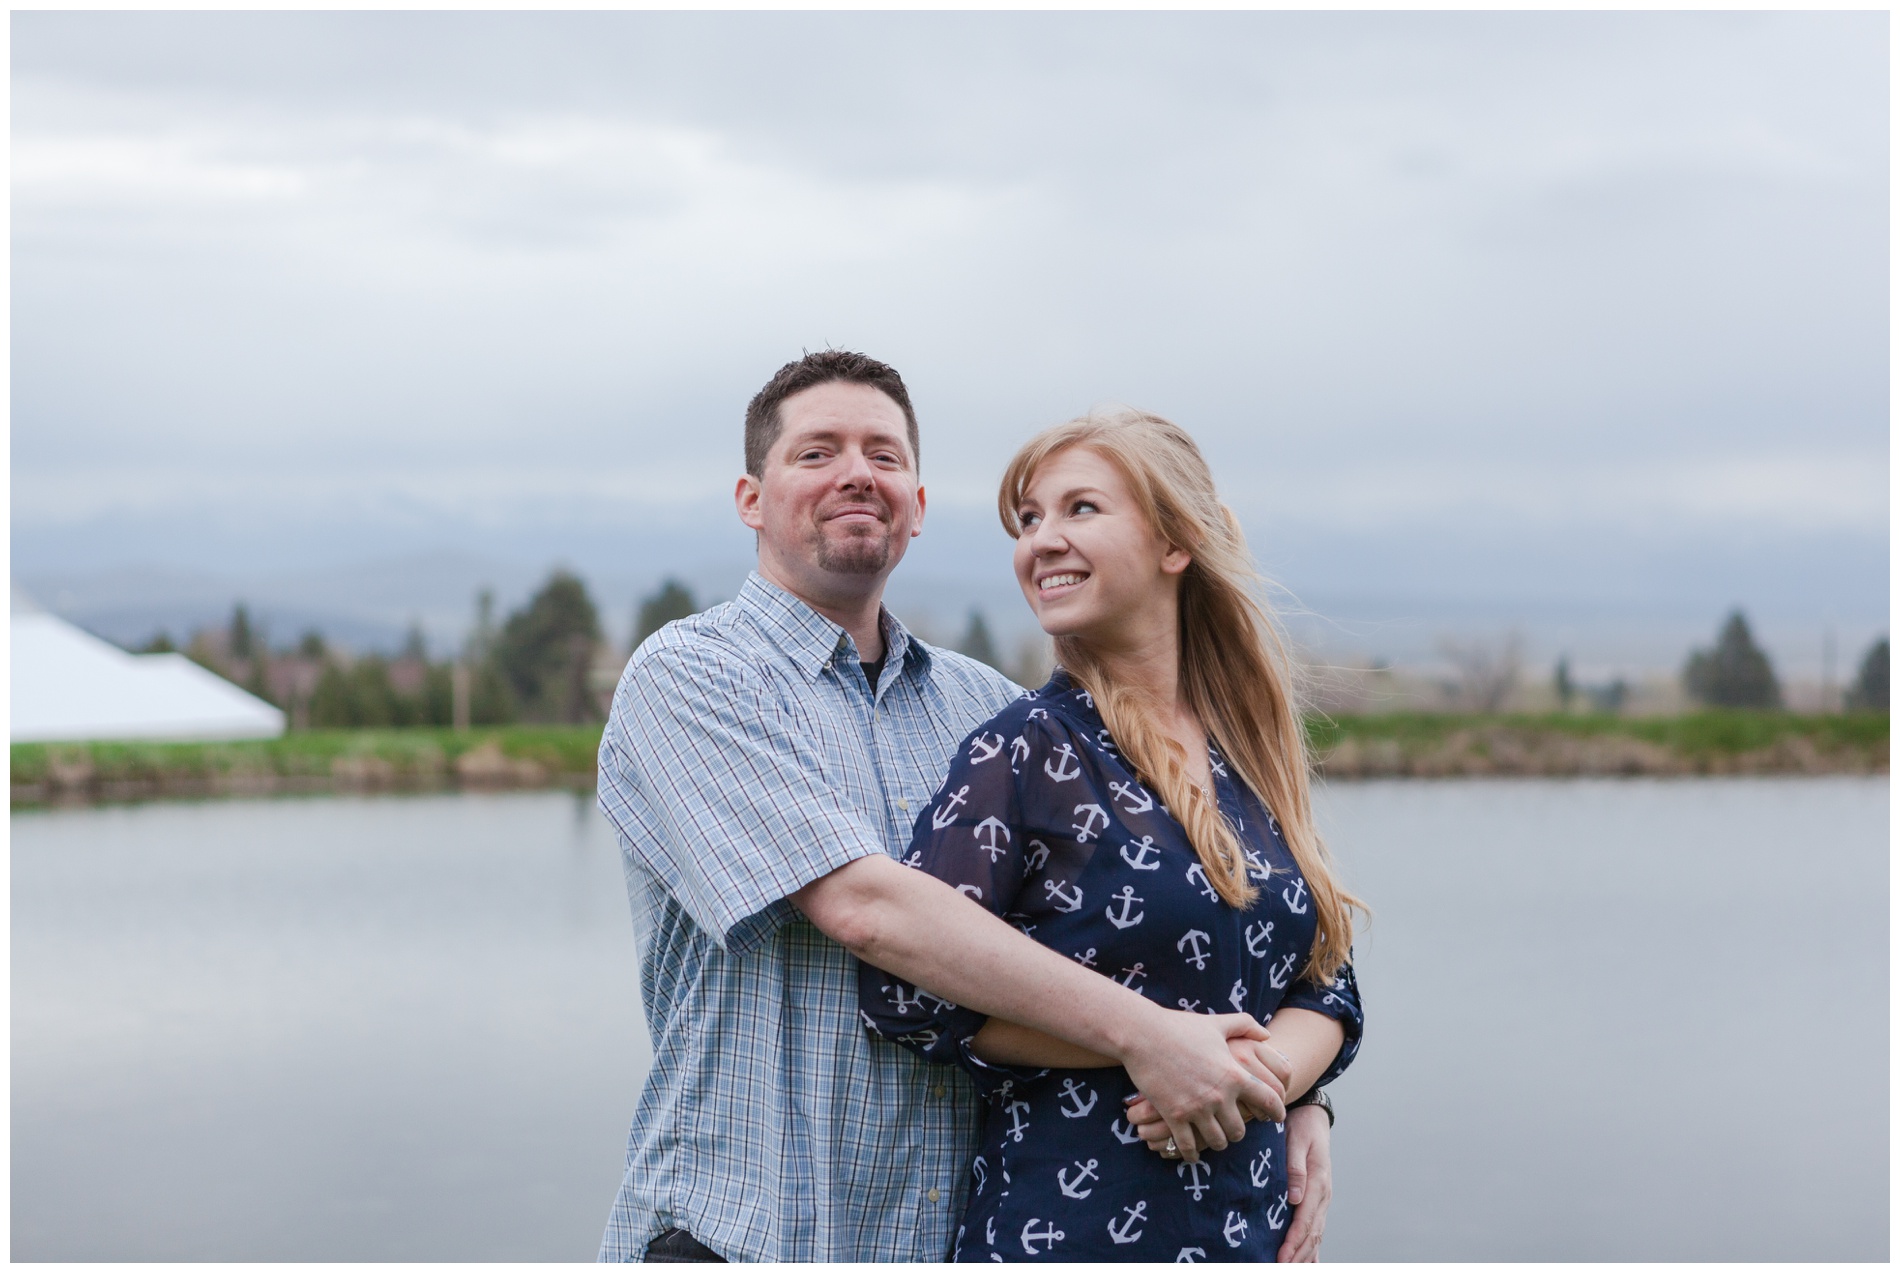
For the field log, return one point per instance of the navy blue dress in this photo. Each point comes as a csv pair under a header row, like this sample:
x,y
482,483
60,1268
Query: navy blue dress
x,y
1042,821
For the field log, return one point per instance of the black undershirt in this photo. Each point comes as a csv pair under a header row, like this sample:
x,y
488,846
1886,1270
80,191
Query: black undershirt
x,y
874,670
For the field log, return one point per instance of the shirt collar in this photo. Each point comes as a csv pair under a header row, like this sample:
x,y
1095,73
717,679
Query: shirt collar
x,y
813,642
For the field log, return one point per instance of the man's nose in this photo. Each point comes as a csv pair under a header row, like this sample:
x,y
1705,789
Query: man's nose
x,y
857,471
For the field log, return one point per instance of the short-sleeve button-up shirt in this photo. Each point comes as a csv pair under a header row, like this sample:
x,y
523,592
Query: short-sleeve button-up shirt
x,y
746,756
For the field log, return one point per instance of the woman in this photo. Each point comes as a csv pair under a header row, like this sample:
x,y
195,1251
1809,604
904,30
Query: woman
x,y
1146,813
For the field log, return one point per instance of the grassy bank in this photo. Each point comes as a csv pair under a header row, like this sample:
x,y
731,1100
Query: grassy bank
x,y
1400,745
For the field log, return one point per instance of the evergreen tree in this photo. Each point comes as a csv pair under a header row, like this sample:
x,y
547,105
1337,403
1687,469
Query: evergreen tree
x,y
545,652
1869,690
1566,688
159,644
1735,673
977,643
414,644
242,640
672,601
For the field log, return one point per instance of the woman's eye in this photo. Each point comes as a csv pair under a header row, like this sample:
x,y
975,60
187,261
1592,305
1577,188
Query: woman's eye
x,y
1083,505
1028,519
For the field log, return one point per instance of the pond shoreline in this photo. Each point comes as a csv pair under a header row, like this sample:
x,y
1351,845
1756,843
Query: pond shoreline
x,y
346,762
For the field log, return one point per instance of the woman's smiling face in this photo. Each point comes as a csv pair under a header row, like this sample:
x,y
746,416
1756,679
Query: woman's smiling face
x,y
1089,562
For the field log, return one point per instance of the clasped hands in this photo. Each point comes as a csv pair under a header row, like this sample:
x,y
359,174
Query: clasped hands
x,y
1266,1103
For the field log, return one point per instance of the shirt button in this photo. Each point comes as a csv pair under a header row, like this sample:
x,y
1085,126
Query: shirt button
x,y
933,1195
904,805
937,1090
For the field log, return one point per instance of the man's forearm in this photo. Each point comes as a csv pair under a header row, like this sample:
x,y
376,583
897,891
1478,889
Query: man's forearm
x,y
921,929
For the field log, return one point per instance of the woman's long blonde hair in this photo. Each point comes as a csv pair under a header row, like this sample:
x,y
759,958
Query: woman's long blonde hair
x,y
1235,673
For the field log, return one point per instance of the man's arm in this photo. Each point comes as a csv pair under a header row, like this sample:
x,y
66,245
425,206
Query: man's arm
x,y
927,933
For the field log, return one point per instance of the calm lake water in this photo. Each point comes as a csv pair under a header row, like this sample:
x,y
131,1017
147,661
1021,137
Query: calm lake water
x,y
1607,1020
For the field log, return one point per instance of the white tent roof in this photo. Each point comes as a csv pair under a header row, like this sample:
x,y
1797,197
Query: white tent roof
x,y
70,686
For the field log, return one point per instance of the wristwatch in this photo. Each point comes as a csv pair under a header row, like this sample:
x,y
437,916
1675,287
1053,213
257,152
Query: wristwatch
x,y
1315,1096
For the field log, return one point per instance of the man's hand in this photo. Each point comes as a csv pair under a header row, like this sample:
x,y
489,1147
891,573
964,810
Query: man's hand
x,y
1187,1072
1261,1059
1309,1176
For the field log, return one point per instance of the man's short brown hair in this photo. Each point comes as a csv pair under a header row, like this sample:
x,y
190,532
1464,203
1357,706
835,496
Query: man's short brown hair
x,y
763,423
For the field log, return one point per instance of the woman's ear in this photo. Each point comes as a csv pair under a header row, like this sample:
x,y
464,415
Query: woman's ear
x,y
1175,561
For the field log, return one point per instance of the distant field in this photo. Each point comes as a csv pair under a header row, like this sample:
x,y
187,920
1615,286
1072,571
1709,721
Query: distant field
x,y
1420,745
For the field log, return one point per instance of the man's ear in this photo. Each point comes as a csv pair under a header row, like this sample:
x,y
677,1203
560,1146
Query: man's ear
x,y
746,498
917,527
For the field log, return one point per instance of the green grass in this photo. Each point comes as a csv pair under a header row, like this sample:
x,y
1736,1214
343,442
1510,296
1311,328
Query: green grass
x,y
1693,735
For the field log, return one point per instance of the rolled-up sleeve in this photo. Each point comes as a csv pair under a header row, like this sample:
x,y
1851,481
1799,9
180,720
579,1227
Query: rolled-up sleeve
x,y
1340,1001
716,790
970,837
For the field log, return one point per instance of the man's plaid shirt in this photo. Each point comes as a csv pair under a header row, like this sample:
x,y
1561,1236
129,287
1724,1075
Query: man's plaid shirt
x,y
746,757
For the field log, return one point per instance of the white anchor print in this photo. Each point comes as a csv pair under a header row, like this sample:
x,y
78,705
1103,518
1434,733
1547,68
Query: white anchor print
x,y
1188,1253
1256,869
915,860
1258,937
989,1231
1088,829
1086,960
1049,1236
1085,1173
1125,1132
1195,1171
1106,742
970,890
947,812
1235,1230
1133,975
904,1002
1128,899
982,749
1020,921
1238,995
1188,1005
1068,903
1018,1124
1213,759
1141,861
1072,1091
1018,752
1132,792
1282,969
1260,1170
1086,697
1063,765
1276,1214
1128,1232
1038,854
981,1170
1034,712
1196,956
1297,902
1197,876
993,846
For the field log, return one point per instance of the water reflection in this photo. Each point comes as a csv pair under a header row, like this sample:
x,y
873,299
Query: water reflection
x,y
408,1028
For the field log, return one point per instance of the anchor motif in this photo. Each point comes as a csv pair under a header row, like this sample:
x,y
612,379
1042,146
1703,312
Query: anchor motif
x,y
982,749
1034,712
1073,1188
1020,921
1213,758
1188,1253
970,890
1017,1123
1276,1214
1235,1230
1256,869
1297,902
1132,792
1128,899
904,1002
1127,1232
1049,1236
1106,742
1134,974
1038,854
1087,829
1197,876
989,1230
1067,903
1063,765
1125,1132
1086,960
1018,752
1193,938
1195,1171
1086,697
1258,937
1238,994
1072,1091
1141,861
1188,1005
1260,1170
992,846
981,1170
1281,970
947,813
915,860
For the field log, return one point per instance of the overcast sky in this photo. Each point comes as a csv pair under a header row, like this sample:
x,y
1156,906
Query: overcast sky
x,y
1507,309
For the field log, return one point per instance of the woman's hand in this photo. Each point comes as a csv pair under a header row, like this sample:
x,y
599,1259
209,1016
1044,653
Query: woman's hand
x,y
1262,1060
1309,1178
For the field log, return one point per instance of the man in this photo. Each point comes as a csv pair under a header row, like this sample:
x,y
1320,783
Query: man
x,y
762,765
